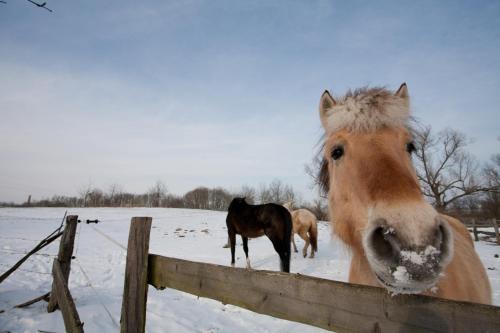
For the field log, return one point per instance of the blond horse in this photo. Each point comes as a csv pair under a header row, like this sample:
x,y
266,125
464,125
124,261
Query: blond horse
x,y
305,225
398,240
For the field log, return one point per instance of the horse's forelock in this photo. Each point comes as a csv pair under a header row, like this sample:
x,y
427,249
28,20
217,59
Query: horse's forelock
x,y
366,109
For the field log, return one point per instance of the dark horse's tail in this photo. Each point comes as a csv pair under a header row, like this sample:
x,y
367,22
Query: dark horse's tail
x,y
313,236
287,238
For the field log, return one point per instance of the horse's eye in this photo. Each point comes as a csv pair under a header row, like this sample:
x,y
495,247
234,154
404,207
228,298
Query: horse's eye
x,y
337,153
410,147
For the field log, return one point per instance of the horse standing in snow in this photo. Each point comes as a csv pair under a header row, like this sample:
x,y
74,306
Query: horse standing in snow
x,y
305,224
398,240
252,221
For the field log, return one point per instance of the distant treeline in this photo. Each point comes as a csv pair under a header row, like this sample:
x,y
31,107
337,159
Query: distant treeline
x,y
199,198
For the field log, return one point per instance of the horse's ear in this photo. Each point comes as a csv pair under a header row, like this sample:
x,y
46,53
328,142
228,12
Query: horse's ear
x,y
326,103
403,91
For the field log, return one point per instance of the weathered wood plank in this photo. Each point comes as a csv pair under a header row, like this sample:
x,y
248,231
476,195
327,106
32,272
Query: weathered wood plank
x,y
474,229
331,305
495,227
64,256
488,233
71,319
135,290
480,223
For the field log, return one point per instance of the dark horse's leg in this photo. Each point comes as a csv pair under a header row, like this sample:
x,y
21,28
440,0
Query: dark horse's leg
x,y
284,253
227,245
245,248
232,241
282,246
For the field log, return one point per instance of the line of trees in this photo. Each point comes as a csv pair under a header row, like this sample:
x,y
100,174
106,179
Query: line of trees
x,y
201,197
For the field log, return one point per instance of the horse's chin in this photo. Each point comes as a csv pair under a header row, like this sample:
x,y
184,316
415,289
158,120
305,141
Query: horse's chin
x,y
408,286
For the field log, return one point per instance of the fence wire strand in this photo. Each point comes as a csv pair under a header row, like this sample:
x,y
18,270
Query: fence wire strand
x,y
111,239
95,291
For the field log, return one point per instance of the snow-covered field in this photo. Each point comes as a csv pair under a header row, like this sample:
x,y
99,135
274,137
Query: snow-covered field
x,y
96,279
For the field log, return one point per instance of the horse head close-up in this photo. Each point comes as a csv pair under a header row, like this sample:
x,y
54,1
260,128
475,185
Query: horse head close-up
x,y
397,239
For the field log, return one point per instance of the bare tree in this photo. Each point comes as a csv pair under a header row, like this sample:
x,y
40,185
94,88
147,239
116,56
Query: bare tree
x,y
249,193
491,203
318,207
264,195
290,195
95,198
114,195
174,201
156,194
197,198
84,192
446,171
276,192
218,199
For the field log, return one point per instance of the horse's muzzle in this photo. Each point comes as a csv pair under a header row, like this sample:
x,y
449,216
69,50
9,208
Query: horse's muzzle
x,y
405,267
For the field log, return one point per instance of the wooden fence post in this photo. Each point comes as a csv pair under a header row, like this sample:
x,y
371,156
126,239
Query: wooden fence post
x,y
135,290
64,256
474,229
495,226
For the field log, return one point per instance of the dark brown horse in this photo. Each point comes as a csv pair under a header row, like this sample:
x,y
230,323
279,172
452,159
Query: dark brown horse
x,y
251,221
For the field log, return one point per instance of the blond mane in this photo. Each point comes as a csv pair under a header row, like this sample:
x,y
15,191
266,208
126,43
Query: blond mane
x,y
366,110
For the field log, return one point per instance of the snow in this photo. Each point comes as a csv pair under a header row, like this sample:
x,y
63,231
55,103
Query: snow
x,y
390,231
96,279
401,274
420,258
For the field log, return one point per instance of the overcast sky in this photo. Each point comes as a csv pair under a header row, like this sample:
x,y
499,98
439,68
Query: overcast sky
x,y
223,93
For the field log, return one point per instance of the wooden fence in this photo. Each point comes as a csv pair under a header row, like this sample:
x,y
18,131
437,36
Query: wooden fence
x,y
474,225
331,305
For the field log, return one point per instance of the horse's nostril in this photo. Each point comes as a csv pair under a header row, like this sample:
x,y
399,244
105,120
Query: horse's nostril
x,y
381,244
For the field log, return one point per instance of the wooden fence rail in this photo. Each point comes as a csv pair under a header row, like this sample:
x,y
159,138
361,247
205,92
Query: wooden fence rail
x,y
473,225
331,305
